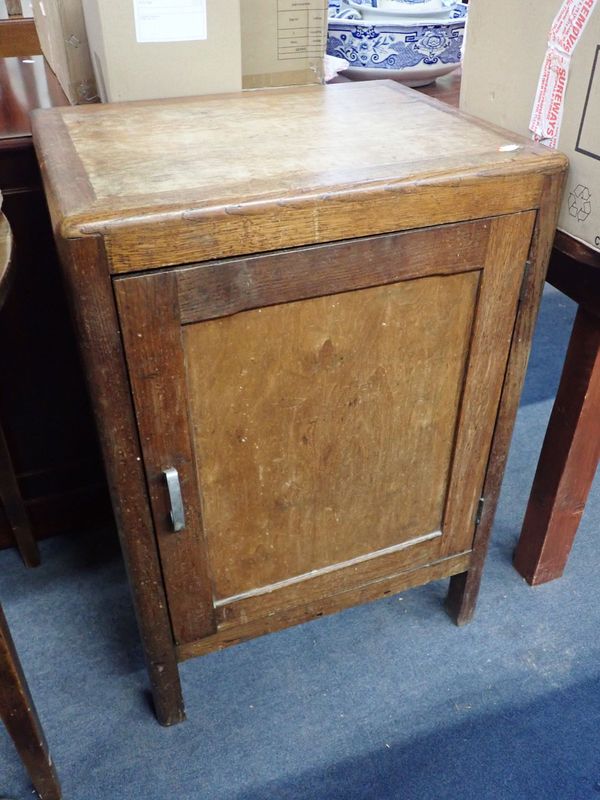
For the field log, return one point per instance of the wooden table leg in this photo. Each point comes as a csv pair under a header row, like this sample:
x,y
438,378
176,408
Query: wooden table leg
x,y
20,717
14,508
567,462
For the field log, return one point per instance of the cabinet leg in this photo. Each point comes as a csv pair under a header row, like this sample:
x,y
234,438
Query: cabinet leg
x,y
568,460
14,508
462,596
20,717
166,693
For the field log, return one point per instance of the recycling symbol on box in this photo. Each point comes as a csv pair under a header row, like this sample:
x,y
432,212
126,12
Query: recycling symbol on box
x,y
580,205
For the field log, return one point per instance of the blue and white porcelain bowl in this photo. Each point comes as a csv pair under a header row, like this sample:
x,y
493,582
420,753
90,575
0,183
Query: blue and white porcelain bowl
x,y
402,11
413,51
384,9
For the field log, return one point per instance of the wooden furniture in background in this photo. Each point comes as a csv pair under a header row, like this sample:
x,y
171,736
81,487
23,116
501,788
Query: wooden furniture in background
x,y
305,358
44,408
18,714
10,495
446,89
18,36
571,449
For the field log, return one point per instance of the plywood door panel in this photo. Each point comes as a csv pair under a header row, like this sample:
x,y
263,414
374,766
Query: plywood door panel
x,y
325,427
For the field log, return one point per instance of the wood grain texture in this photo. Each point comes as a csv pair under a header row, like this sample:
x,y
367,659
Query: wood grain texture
x,y
508,247
327,582
210,188
391,584
568,460
25,86
18,713
95,315
464,587
201,235
18,37
150,325
293,418
221,288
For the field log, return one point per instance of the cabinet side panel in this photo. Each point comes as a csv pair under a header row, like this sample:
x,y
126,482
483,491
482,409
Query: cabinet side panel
x,y
95,315
464,587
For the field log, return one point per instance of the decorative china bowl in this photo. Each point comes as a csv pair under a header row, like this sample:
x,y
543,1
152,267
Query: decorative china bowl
x,y
413,51
386,9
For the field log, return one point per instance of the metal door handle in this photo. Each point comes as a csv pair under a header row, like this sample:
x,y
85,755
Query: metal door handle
x,y
176,513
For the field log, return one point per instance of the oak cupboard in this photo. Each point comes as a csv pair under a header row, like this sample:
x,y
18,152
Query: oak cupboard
x,y
305,316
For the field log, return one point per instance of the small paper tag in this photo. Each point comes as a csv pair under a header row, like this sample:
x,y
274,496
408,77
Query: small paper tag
x,y
548,106
170,20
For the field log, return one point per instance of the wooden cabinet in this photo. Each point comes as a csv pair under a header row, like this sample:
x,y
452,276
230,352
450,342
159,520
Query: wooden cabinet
x,y
305,323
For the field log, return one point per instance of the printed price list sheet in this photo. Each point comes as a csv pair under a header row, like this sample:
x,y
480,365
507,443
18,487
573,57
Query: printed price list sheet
x,y
301,26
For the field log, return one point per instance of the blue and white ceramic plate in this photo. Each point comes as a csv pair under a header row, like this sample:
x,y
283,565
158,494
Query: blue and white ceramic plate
x,y
415,52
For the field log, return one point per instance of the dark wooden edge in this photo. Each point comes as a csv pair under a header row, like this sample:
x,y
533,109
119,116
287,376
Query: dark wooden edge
x,y
464,587
18,37
60,164
22,722
93,307
152,337
226,287
579,280
576,250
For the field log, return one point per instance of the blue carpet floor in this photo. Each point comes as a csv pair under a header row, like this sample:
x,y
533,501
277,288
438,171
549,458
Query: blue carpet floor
x,y
388,700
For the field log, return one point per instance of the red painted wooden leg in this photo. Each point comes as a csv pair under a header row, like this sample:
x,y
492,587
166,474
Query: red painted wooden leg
x,y
20,717
567,462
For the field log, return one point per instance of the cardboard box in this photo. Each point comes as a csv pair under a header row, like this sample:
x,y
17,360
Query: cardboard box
x,y
503,62
61,30
144,49
132,63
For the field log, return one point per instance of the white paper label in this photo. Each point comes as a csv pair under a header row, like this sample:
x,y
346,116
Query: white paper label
x,y
170,20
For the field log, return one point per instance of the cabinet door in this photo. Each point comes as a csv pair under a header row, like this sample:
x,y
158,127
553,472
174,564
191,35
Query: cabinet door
x,y
328,410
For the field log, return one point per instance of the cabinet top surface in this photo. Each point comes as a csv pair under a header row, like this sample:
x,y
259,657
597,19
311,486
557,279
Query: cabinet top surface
x,y
123,159
305,151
